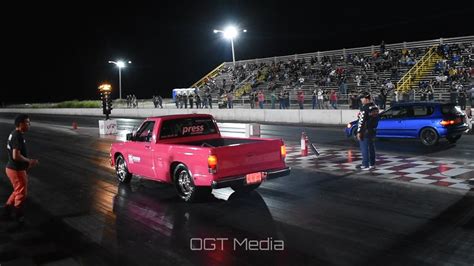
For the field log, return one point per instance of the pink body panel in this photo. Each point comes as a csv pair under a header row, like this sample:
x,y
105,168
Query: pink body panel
x,y
154,159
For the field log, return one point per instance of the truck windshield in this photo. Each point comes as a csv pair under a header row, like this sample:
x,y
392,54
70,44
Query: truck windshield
x,y
186,127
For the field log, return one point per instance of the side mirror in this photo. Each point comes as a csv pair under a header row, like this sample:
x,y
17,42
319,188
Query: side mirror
x,y
129,136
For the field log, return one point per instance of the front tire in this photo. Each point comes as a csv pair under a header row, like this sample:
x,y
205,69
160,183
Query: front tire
x,y
121,169
185,187
245,189
429,137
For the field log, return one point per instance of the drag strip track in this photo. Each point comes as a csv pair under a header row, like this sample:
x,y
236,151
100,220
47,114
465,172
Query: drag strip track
x,y
321,218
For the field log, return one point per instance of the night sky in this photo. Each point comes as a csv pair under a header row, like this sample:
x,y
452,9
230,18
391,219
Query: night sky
x,y
56,52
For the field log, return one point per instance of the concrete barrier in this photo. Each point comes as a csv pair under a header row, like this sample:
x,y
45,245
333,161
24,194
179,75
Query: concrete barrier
x,y
281,116
348,116
327,117
292,116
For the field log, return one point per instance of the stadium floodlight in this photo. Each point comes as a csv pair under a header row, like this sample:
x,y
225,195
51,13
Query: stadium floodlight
x,y
120,64
230,33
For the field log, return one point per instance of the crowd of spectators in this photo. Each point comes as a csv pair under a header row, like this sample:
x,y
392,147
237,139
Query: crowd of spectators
x,y
196,99
338,77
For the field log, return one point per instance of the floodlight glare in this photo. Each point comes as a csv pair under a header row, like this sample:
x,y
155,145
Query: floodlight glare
x,y
230,32
120,64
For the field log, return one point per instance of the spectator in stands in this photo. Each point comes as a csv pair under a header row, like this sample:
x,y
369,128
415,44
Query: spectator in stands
x,y
230,100
129,101
185,100
423,94
358,79
198,101
314,98
462,99
333,99
382,98
134,101
177,99
160,101
429,91
471,96
191,100
286,96
261,99
281,99
209,99
382,47
321,99
300,98
273,99
354,101
252,100
256,99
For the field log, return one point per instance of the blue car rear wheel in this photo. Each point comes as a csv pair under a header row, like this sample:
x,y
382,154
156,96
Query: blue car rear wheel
x,y
429,136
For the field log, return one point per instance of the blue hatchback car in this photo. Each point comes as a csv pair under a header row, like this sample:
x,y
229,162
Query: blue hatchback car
x,y
427,121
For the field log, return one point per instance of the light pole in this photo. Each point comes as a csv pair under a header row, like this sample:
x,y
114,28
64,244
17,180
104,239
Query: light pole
x,y
120,64
231,33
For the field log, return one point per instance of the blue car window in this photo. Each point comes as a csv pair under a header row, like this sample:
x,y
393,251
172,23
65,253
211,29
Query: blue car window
x,y
422,110
450,109
396,112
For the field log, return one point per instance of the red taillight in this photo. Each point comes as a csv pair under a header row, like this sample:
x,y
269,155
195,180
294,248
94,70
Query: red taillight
x,y
458,120
447,122
212,163
283,151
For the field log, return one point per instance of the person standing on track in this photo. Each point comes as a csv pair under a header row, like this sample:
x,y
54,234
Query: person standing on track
x,y
16,169
366,131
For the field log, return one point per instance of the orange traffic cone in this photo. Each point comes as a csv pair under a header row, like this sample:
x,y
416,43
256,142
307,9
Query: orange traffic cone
x,y
74,125
304,144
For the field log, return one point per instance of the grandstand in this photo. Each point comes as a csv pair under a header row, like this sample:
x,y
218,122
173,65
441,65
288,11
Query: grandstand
x,y
412,67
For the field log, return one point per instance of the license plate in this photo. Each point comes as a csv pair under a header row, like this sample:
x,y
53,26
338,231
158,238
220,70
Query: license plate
x,y
254,178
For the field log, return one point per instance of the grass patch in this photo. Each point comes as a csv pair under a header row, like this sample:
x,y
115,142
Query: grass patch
x,y
69,104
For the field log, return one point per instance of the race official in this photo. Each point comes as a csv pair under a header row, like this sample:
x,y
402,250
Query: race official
x,y
366,130
17,167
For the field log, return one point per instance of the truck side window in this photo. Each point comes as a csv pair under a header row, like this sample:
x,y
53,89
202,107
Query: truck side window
x,y
145,132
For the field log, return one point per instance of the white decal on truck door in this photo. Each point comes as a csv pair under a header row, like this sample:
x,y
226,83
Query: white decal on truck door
x,y
133,159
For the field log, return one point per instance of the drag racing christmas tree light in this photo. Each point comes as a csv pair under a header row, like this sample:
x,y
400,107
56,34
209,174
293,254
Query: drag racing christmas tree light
x,y
105,90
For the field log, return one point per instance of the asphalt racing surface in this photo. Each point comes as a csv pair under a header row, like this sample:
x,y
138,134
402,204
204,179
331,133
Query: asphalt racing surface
x,y
78,214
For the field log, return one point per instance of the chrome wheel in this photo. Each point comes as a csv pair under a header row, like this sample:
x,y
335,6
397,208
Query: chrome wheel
x,y
184,183
185,186
123,175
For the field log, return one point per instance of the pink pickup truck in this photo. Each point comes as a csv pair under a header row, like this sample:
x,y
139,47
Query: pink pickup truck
x,y
189,152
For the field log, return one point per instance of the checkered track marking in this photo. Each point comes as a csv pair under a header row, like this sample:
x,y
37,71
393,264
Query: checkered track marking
x,y
419,169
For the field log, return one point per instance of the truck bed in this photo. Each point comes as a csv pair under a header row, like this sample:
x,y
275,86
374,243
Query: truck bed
x,y
220,142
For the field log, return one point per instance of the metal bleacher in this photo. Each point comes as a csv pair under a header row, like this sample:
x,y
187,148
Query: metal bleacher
x,y
338,60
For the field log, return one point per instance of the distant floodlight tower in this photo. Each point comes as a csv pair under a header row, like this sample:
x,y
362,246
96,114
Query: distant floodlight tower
x,y
230,33
120,64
